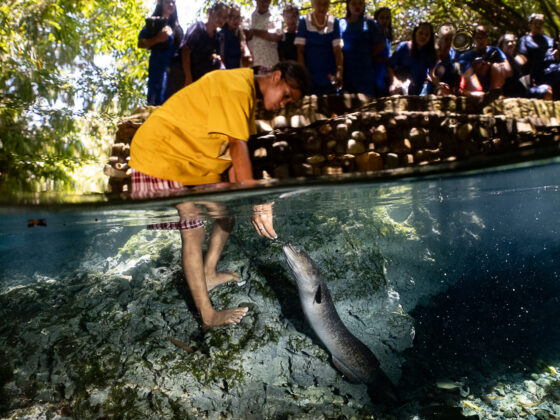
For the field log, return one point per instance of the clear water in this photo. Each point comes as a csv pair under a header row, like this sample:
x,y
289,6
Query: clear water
x,y
451,279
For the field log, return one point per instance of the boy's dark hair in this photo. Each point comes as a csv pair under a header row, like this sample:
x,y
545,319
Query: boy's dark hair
x,y
294,74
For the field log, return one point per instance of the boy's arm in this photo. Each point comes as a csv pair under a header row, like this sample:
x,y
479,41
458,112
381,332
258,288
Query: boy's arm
x,y
241,170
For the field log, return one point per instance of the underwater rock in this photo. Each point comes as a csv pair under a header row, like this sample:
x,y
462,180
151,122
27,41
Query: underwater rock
x,y
341,131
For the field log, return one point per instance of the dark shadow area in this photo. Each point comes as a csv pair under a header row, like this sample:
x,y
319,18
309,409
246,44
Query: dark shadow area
x,y
501,324
183,290
278,278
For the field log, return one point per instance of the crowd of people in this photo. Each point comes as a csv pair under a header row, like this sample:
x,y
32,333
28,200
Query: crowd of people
x,y
353,54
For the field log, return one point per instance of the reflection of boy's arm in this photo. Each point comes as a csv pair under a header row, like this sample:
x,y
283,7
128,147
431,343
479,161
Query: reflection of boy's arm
x,y
186,61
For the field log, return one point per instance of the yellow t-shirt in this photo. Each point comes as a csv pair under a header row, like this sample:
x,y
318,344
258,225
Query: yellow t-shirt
x,y
186,139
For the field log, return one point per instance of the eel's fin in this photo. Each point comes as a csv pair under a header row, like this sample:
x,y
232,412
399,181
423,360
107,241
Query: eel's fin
x,y
346,371
318,295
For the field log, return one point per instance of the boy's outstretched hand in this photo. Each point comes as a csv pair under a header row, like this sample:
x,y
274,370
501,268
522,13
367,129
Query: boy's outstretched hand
x,y
262,220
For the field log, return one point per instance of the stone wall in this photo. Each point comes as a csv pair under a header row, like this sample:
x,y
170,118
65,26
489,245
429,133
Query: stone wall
x,y
334,135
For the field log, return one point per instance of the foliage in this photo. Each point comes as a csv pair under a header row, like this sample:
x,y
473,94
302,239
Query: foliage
x,y
57,98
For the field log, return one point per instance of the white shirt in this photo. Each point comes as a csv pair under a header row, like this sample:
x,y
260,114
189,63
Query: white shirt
x,y
265,53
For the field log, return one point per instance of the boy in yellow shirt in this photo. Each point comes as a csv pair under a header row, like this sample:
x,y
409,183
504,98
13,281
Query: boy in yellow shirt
x,y
195,136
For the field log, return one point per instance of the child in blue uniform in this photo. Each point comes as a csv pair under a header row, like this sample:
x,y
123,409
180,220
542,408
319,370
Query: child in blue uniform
x,y
540,53
201,46
513,86
162,46
445,76
412,61
363,41
287,49
233,47
483,67
319,44
383,18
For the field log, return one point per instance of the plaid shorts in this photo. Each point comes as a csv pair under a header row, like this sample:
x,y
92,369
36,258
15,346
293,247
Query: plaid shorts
x,y
146,186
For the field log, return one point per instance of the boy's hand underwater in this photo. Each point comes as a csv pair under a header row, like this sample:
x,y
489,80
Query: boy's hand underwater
x,y
262,220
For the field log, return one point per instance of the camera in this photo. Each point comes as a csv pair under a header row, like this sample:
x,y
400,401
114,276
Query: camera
x,y
154,24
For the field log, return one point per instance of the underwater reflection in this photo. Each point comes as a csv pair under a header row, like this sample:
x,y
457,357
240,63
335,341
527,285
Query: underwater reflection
x,y
200,270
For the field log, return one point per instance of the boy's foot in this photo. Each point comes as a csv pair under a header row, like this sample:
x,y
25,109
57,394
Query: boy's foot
x,y
226,317
213,280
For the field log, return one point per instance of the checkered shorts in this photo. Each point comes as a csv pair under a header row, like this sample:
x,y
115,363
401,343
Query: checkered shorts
x,y
146,186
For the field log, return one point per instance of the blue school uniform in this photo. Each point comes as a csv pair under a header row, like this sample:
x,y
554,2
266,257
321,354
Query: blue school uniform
x,y
450,75
359,39
202,47
406,66
319,55
287,50
158,65
538,49
380,70
491,53
231,49
513,87
447,72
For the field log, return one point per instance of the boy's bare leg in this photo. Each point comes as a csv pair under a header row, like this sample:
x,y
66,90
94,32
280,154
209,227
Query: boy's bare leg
x,y
194,271
220,234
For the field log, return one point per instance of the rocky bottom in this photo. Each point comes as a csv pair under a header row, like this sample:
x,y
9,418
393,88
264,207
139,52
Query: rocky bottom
x,y
117,338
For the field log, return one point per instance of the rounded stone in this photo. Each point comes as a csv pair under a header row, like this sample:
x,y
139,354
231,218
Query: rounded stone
x,y
355,147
